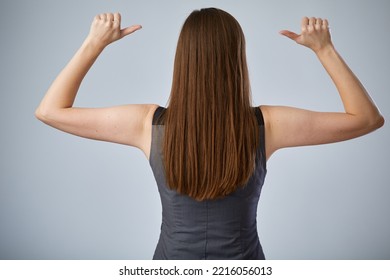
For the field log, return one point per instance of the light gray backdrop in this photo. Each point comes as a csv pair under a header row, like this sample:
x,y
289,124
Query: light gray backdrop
x,y
64,197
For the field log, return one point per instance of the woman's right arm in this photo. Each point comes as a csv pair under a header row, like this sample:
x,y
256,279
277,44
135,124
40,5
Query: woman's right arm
x,y
127,124
289,127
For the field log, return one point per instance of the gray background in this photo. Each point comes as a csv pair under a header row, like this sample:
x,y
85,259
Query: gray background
x,y
64,197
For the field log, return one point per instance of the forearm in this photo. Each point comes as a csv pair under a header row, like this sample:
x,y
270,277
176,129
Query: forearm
x,y
105,29
63,90
354,96
357,102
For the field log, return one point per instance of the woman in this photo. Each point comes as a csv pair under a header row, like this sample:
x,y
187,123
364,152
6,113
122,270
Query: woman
x,y
208,149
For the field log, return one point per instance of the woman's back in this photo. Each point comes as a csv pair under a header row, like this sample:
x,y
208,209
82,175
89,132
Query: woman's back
x,y
224,228
210,143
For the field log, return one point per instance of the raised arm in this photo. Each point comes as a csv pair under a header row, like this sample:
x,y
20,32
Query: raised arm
x,y
121,124
289,127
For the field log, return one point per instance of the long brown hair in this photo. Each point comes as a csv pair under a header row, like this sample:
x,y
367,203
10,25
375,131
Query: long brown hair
x,y
211,133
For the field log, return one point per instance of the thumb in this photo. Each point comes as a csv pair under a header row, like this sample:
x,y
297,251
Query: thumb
x,y
289,34
128,30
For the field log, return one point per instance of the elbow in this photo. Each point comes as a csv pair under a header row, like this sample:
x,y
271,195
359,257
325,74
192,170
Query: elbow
x,y
42,114
376,122
380,122
39,114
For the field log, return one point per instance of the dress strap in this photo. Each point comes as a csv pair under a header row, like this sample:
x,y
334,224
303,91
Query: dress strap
x,y
157,115
259,116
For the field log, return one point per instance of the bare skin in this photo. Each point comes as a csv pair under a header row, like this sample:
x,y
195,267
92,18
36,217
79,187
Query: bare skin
x,y
285,126
290,127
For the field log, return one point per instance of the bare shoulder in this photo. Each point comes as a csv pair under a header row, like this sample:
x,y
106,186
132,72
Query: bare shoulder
x,y
292,127
266,111
146,140
149,110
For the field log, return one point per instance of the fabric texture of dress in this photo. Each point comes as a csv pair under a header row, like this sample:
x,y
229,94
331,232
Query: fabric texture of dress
x,y
224,228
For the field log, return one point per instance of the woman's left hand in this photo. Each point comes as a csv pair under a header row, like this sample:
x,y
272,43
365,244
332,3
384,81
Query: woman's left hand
x,y
315,34
106,28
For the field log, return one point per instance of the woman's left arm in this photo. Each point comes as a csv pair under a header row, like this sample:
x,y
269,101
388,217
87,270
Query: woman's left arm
x,y
121,124
291,127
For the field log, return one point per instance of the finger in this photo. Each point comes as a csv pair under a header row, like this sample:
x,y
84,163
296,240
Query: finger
x,y
110,17
325,24
312,21
318,24
304,23
117,20
128,30
311,26
117,17
289,34
103,16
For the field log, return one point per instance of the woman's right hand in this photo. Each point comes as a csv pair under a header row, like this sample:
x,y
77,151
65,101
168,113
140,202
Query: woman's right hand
x,y
314,34
106,28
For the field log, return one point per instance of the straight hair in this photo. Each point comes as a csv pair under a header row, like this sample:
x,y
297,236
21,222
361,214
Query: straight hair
x,y
211,132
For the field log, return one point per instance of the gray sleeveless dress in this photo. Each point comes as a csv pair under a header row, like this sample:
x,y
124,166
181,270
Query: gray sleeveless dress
x,y
225,228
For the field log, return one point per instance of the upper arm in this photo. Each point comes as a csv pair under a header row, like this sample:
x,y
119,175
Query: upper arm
x,y
291,127
127,124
